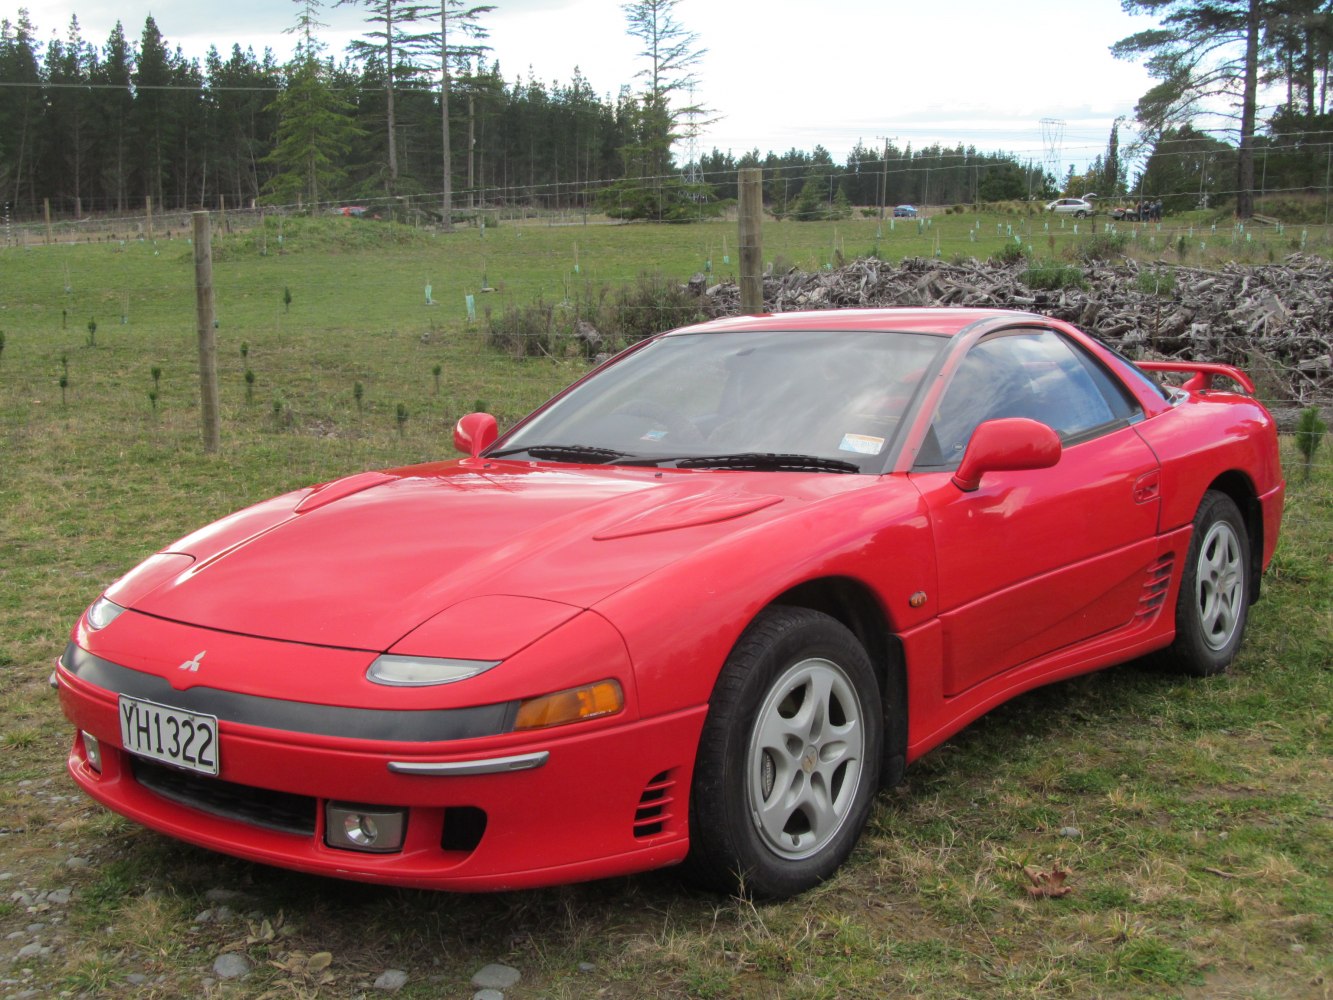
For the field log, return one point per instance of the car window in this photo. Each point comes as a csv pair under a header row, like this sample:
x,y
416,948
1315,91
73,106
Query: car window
x,y
1032,373
837,395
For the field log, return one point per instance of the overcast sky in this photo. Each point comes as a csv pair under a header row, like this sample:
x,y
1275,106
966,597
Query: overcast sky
x,y
780,74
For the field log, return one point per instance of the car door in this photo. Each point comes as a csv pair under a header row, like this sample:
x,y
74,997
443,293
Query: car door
x,y
1037,560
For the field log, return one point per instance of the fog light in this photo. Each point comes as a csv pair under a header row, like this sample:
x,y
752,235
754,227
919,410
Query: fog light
x,y
360,830
373,829
93,749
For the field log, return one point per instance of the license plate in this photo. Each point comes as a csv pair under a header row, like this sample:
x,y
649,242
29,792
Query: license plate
x,y
182,739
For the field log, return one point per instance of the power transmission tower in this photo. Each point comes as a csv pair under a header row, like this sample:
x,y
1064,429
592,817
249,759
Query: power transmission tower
x,y
693,171
1052,140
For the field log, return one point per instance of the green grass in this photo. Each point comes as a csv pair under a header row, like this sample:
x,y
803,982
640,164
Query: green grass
x,y
1202,863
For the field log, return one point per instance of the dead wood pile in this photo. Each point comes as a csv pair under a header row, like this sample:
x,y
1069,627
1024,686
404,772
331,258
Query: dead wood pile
x,y
1275,321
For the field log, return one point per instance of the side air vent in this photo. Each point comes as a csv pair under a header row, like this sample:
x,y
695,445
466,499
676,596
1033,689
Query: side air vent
x,y
654,813
1155,588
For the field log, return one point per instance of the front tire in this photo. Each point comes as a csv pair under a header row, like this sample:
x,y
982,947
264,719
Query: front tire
x,y
1214,600
789,758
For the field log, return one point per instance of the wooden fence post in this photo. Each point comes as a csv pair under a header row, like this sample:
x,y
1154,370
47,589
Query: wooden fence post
x,y
751,240
208,344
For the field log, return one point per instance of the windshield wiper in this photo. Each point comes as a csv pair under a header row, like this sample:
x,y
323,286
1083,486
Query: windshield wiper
x,y
760,461
562,453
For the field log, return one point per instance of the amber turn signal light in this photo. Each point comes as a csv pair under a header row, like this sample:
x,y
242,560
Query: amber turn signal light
x,y
579,704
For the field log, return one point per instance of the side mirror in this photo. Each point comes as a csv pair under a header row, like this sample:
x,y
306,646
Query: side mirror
x,y
475,432
1006,445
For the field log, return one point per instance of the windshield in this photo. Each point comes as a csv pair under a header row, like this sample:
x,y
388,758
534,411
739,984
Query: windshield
x,y
782,400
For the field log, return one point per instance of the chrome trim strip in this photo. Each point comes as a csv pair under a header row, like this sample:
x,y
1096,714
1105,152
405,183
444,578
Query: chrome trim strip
x,y
455,768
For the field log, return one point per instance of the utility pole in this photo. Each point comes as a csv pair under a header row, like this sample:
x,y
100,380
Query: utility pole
x,y
208,345
751,240
884,176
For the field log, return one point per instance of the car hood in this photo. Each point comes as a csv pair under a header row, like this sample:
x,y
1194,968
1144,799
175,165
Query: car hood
x,y
362,562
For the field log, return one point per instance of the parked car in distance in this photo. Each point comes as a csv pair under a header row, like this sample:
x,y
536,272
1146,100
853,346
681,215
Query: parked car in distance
x,y
696,609
1076,207
905,211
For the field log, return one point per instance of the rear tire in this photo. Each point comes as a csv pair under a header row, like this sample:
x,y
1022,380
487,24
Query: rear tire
x,y
1214,600
789,758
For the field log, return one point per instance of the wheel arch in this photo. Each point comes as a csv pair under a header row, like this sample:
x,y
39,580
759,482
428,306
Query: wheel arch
x,y
1240,489
855,605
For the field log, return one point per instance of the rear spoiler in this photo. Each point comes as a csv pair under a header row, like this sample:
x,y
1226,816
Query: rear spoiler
x,y
1201,372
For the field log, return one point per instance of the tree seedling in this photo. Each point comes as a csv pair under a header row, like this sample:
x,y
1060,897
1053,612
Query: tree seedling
x,y
401,417
245,349
436,372
156,372
286,298
249,386
64,384
2,343
152,398
1310,431
358,391
92,332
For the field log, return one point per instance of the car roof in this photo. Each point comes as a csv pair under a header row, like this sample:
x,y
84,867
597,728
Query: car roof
x,y
941,321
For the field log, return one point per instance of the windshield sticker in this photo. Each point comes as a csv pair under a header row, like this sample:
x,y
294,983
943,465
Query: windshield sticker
x,y
656,435
862,444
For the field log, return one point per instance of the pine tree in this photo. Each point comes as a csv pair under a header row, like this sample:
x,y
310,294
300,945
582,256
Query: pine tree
x,y
1205,50
68,66
315,127
113,104
22,111
459,22
394,41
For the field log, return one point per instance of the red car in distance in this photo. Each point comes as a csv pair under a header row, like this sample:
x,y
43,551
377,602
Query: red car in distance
x,y
697,608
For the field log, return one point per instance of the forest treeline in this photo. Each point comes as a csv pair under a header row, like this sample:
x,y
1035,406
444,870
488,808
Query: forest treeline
x,y
88,128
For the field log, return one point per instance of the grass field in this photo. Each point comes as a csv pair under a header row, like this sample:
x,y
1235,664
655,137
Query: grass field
x,y
1194,817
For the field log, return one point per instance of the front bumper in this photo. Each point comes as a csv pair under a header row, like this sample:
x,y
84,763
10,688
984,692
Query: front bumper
x,y
590,800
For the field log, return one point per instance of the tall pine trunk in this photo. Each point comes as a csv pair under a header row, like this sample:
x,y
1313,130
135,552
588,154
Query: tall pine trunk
x,y
1245,154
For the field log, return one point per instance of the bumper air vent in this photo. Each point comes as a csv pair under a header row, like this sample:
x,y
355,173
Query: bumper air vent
x,y
255,806
654,813
463,828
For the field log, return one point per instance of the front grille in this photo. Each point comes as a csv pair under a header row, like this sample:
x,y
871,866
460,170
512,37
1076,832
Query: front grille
x,y
257,806
654,811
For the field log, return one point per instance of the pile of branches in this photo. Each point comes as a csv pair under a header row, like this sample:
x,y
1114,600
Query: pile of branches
x,y
1275,321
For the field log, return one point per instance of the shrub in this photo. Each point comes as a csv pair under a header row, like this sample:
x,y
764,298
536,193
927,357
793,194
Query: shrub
x,y
623,316
1158,281
649,306
1010,253
523,331
1102,246
1052,276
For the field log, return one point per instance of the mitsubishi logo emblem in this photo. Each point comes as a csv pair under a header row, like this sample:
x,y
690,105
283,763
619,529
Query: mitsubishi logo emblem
x,y
193,665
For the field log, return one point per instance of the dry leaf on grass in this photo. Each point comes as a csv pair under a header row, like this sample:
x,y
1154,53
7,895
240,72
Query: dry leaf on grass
x,y
1048,885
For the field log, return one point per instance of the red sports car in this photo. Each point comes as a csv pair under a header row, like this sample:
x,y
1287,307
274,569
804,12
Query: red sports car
x,y
697,608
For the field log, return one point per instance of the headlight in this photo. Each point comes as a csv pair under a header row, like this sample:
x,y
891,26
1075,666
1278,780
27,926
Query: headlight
x,y
103,613
422,671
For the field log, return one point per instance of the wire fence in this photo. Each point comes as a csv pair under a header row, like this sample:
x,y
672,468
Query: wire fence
x,y
369,357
